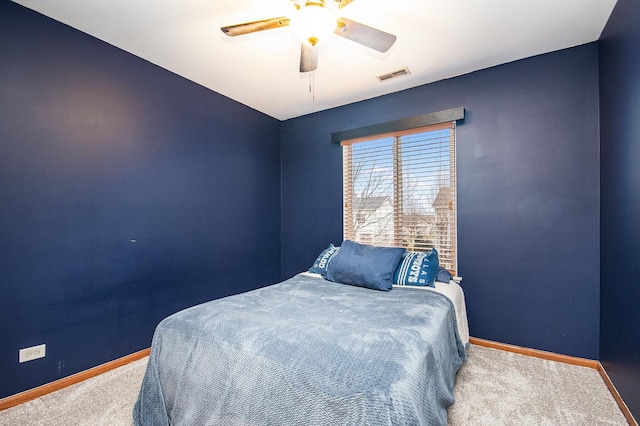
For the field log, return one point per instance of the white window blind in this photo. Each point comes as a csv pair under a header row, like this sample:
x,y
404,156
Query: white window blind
x,y
400,190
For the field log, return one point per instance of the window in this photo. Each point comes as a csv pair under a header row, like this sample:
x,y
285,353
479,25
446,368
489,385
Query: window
x,y
400,190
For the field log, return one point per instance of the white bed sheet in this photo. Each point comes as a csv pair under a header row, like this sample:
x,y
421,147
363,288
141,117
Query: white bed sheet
x,y
453,291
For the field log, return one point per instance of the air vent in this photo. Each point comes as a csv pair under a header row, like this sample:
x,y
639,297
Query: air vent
x,y
394,74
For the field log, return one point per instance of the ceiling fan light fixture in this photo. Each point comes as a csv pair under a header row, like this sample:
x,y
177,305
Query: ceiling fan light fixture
x,y
313,22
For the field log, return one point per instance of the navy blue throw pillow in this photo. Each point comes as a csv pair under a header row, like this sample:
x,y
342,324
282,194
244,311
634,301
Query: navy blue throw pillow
x,y
419,269
320,265
444,276
364,265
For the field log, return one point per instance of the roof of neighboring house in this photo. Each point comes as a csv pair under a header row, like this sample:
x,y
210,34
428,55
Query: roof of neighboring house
x,y
443,198
369,203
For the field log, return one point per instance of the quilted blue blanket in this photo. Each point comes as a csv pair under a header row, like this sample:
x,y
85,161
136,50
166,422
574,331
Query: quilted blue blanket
x,y
305,352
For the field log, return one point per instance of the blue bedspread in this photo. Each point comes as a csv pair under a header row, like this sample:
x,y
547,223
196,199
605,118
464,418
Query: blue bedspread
x,y
305,352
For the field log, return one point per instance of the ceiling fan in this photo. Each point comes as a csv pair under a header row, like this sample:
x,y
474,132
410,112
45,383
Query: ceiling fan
x,y
312,22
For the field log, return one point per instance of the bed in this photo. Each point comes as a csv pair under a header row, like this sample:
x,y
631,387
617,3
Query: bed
x,y
308,351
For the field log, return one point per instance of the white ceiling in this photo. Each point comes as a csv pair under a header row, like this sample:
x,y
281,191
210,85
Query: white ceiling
x,y
436,39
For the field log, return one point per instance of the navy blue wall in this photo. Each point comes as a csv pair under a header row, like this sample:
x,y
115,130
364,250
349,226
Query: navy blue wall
x,y
126,194
620,201
129,193
528,180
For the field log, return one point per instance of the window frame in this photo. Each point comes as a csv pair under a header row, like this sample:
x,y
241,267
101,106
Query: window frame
x,y
396,130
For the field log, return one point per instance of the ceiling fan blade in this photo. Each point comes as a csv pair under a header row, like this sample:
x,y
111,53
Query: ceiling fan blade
x,y
252,27
308,58
343,3
365,35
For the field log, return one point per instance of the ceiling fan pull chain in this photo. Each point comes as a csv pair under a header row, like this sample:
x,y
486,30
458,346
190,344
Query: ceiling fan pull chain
x,y
312,85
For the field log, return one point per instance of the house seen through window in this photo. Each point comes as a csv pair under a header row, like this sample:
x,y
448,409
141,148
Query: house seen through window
x,y
400,190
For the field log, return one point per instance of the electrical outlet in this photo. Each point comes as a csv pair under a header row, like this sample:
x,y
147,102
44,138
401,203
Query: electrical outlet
x,y
34,352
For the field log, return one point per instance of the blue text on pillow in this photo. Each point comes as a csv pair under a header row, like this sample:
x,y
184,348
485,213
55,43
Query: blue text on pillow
x,y
320,265
419,269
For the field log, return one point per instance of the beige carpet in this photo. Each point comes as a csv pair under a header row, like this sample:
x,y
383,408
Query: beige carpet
x,y
103,400
493,388
502,388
